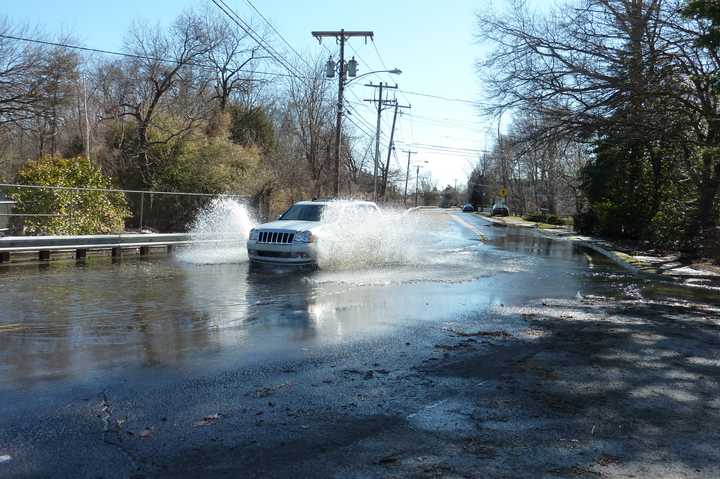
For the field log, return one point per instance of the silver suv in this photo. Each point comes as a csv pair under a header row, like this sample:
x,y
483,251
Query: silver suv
x,y
292,238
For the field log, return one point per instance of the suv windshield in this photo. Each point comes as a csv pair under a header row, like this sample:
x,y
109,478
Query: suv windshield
x,y
303,213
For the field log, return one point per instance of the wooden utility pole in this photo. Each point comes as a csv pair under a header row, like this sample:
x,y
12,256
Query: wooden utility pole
x,y
380,104
417,177
407,174
391,145
341,36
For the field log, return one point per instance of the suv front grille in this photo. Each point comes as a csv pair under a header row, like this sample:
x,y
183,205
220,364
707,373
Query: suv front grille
x,y
275,237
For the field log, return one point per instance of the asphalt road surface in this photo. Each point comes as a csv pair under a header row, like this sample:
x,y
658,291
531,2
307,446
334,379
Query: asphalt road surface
x,y
499,353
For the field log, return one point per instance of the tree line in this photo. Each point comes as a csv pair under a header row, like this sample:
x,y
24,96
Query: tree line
x,y
615,112
180,109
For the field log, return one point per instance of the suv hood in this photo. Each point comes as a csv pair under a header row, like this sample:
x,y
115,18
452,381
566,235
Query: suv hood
x,y
291,225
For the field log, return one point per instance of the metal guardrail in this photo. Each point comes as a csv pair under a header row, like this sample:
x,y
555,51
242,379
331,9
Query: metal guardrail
x,y
71,242
44,245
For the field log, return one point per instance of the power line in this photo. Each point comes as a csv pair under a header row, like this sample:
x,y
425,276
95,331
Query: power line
x,y
97,50
445,120
284,63
382,63
244,26
365,105
449,148
158,59
249,2
443,98
369,135
364,121
125,54
377,52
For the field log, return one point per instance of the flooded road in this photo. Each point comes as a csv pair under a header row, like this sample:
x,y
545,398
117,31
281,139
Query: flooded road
x,y
491,349
67,322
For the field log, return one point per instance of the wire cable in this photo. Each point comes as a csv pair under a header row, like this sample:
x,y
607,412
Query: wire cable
x,y
244,26
252,5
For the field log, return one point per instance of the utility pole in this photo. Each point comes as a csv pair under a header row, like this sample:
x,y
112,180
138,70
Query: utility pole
x,y
417,181
341,36
391,145
380,104
407,174
417,176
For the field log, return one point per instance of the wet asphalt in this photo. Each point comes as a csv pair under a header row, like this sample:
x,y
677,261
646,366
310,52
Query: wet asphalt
x,y
532,359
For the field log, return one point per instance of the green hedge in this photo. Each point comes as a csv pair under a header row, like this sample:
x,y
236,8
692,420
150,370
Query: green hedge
x,y
68,212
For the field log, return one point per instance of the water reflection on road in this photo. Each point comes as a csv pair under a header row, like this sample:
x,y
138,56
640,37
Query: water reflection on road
x,y
74,322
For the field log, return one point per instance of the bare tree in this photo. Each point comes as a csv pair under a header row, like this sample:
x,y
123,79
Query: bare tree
x,y
231,55
20,94
584,67
140,87
312,114
59,70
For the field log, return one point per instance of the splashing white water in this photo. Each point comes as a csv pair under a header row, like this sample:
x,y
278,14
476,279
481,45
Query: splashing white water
x,y
226,221
350,238
355,237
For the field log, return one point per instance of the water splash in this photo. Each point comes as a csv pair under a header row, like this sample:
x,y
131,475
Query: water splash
x,y
226,221
353,236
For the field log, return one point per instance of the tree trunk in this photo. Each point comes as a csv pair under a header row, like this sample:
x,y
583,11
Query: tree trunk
x,y
703,232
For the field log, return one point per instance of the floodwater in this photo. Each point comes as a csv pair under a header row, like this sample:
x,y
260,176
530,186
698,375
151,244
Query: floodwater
x,y
68,322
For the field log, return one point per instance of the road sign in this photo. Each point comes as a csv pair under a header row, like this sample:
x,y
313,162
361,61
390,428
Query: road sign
x,y
503,192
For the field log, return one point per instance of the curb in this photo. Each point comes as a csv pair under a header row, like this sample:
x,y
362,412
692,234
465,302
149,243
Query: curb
x,y
624,260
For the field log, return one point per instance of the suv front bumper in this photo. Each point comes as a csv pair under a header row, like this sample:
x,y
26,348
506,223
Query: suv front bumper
x,y
292,253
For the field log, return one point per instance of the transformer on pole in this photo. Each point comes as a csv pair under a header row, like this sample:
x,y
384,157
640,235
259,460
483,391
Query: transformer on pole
x,y
343,70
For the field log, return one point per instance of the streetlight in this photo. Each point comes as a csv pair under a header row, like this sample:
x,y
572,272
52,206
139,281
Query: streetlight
x,y
417,176
394,71
345,70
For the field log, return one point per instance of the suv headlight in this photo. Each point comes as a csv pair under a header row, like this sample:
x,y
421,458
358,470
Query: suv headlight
x,y
304,237
254,235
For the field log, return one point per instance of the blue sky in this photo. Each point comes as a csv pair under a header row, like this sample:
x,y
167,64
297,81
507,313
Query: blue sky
x,y
431,41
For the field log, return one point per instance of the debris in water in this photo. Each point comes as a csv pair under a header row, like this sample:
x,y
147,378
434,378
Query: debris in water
x,y
465,334
207,420
388,460
269,390
11,328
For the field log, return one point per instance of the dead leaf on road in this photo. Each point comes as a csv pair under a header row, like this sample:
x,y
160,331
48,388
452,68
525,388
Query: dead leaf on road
x,y
207,420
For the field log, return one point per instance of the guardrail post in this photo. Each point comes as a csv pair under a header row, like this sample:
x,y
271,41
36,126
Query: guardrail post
x,y
142,204
80,254
144,250
5,257
116,253
44,255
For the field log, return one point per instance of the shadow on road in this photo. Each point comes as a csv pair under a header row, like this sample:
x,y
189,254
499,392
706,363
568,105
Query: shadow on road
x,y
587,389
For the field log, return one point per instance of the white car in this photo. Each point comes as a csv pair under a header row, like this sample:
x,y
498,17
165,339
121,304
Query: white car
x,y
292,239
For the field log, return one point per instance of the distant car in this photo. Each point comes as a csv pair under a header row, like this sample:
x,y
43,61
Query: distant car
x,y
292,238
499,210
468,208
